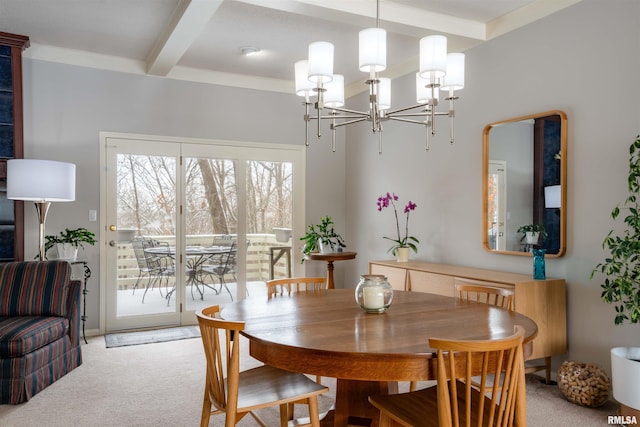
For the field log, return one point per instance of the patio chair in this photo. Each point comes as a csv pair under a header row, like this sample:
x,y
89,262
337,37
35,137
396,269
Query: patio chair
x,y
238,393
147,265
455,401
222,265
162,266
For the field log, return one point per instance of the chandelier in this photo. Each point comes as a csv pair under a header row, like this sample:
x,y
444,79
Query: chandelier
x,y
438,71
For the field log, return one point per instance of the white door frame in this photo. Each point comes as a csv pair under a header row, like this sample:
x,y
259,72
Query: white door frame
x,y
499,168
249,151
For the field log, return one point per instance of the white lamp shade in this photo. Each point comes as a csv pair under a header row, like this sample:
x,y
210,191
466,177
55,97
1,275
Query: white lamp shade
x,y
320,62
41,180
334,96
384,93
433,56
373,49
552,196
303,86
455,72
424,93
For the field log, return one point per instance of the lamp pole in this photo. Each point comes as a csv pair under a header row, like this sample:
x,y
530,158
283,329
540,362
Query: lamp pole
x,y
42,208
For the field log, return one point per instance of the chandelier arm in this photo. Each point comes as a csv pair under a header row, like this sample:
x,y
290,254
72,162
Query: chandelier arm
x,y
348,111
452,114
422,114
433,121
399,110
306,123
333,134
402,119
359,116
451,131
337,125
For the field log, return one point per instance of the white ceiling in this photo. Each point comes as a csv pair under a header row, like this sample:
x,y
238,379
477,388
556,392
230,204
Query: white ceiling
x,y
200,40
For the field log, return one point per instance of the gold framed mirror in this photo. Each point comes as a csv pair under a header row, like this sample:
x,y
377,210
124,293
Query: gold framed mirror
x,y
524,184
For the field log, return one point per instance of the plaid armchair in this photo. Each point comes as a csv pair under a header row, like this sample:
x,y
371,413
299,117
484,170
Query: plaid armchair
x,y
39,327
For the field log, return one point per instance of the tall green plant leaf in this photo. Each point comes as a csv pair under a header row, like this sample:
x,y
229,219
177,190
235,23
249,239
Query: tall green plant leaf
x,y
621,269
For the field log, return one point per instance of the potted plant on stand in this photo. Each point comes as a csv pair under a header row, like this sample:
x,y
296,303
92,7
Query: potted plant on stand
x,y
402,243
322,238
621,287
68,241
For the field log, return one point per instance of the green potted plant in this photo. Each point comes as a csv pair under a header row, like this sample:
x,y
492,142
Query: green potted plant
x,y
621,286
322,238
532,233
68,242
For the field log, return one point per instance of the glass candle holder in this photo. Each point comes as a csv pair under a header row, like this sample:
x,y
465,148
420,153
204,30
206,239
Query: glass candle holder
x,y
374,293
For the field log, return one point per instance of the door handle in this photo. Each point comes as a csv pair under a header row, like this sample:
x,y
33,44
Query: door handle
x,y
112,243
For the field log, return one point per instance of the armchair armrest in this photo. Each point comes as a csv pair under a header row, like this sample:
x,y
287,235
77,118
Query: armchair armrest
x,y
73,310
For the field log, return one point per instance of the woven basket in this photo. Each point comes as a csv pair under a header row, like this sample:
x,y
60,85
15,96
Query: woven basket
x,y
584,384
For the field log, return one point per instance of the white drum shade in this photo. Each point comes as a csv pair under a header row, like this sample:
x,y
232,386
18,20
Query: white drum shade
x,y
433,56
41,180
320,62
455,72
373,50
304,87
424,93
334,96
384,93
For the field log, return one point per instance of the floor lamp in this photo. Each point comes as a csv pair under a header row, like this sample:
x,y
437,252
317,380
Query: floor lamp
x,y
42,182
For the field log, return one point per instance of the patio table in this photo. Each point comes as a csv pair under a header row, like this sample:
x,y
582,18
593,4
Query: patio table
x,y
196,257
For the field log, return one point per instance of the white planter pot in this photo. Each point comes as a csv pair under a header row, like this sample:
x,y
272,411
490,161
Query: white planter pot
x,y
532,237
282,234
402,254
625,376
67,251
324,248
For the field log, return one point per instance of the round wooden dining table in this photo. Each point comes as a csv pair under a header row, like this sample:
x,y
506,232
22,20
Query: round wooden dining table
x,y
326,333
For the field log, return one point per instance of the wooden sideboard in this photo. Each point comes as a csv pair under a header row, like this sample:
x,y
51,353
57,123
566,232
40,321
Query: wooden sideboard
x,y
544,301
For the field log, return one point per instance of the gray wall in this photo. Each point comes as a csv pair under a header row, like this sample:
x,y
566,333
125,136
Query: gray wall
x,y
67,106
582,60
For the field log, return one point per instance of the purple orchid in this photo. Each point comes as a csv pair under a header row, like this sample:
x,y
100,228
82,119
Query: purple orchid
x,y
401,242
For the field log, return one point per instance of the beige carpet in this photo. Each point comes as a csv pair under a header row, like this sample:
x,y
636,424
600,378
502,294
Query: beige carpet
x,y
162,384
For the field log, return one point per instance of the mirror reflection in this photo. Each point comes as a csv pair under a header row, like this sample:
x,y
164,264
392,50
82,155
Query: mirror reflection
x,y
524,183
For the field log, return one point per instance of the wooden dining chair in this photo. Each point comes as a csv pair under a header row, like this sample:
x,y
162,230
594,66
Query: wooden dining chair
x,y
455,401
295,284
237,393
470,291
499,297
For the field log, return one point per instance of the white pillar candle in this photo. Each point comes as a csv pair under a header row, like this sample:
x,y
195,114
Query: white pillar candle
x,y
373,297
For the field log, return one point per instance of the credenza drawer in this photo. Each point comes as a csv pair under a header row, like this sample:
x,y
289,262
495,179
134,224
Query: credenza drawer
x,y
422,281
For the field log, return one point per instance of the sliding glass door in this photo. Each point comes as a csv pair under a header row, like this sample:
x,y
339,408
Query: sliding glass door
x,y
192,223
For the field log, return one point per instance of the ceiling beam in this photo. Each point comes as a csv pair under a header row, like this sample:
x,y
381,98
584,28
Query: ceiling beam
x,y
395,17
525,15
187,22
